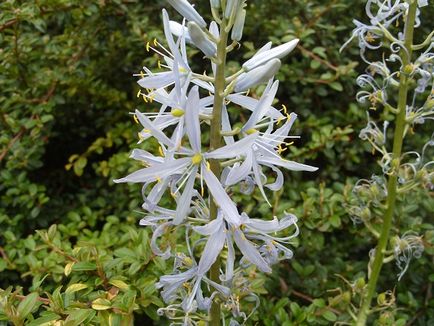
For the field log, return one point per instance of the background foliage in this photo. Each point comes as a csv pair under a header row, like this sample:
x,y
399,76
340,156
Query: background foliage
x,y
71,249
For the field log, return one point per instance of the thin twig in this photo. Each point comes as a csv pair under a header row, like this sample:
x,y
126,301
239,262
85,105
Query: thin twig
x,y
43,300
308,298
11,143
8,24
317,58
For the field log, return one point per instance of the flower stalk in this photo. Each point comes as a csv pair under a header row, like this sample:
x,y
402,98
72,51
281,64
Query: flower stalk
x,y
215,143
377,264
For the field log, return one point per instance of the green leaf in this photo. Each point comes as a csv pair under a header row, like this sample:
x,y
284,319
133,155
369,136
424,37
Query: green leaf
x,y
337,86
330,316
78,316
101,304
28,304
50,316
83,266
76,287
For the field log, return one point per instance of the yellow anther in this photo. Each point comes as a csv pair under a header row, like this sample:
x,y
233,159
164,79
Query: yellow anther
x,y
248,92
177,113
208,166
135,118
142,74
159,64
251,131
196,159
158,179
139,93
288,116
144,98
148,46
182,70
289,144
285,110
160,150
155,42
149,90
202,191
139,134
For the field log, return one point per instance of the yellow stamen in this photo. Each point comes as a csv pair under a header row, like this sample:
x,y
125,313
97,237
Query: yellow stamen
x,y
289,144
248,92
159,64
279,120
142,74
139,93
160,150
182,70
158,179
135,118
196,159
288,116
285,110
208,166
155,42
145,99
148,46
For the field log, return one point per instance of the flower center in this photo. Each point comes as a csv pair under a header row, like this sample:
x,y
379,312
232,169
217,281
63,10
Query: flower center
x,y
196,159
177,113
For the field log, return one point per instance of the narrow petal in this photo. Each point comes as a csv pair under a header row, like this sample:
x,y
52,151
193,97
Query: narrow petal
x,y
290,165
209,228
233,150
250,252
221,197
212,250
240,172
184,202
158,80
161,137
262,107
192,120
155,172
250,104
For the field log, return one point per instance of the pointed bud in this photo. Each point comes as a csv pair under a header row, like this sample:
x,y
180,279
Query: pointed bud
x,y
215,4
237,31
200,40
178,30
188,11
257,76
231,8
275,53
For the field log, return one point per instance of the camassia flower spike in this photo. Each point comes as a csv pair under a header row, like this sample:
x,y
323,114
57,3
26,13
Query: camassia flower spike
x,y
188,186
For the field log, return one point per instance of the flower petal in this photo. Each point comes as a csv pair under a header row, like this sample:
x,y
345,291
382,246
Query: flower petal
x,y
250,252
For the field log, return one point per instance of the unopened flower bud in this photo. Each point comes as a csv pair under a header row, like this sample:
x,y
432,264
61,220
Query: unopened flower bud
x,y
275,53
231,8
188,11
237,31
215,4
200,40
178,30
360,283
257,76
382,299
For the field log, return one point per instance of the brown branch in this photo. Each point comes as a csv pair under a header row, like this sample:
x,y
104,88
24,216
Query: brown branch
x,y
8,24
317,58
309,299
46,97
5,256
43,300
322,13
11,143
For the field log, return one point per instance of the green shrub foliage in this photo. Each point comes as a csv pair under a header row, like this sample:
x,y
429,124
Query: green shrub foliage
x,y
71,250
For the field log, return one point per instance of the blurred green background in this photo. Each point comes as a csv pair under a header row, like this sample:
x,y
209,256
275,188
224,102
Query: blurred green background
x,y
71,235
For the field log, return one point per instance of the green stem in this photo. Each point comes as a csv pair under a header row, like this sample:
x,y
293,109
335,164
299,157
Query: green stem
x,y
216,142
392,182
